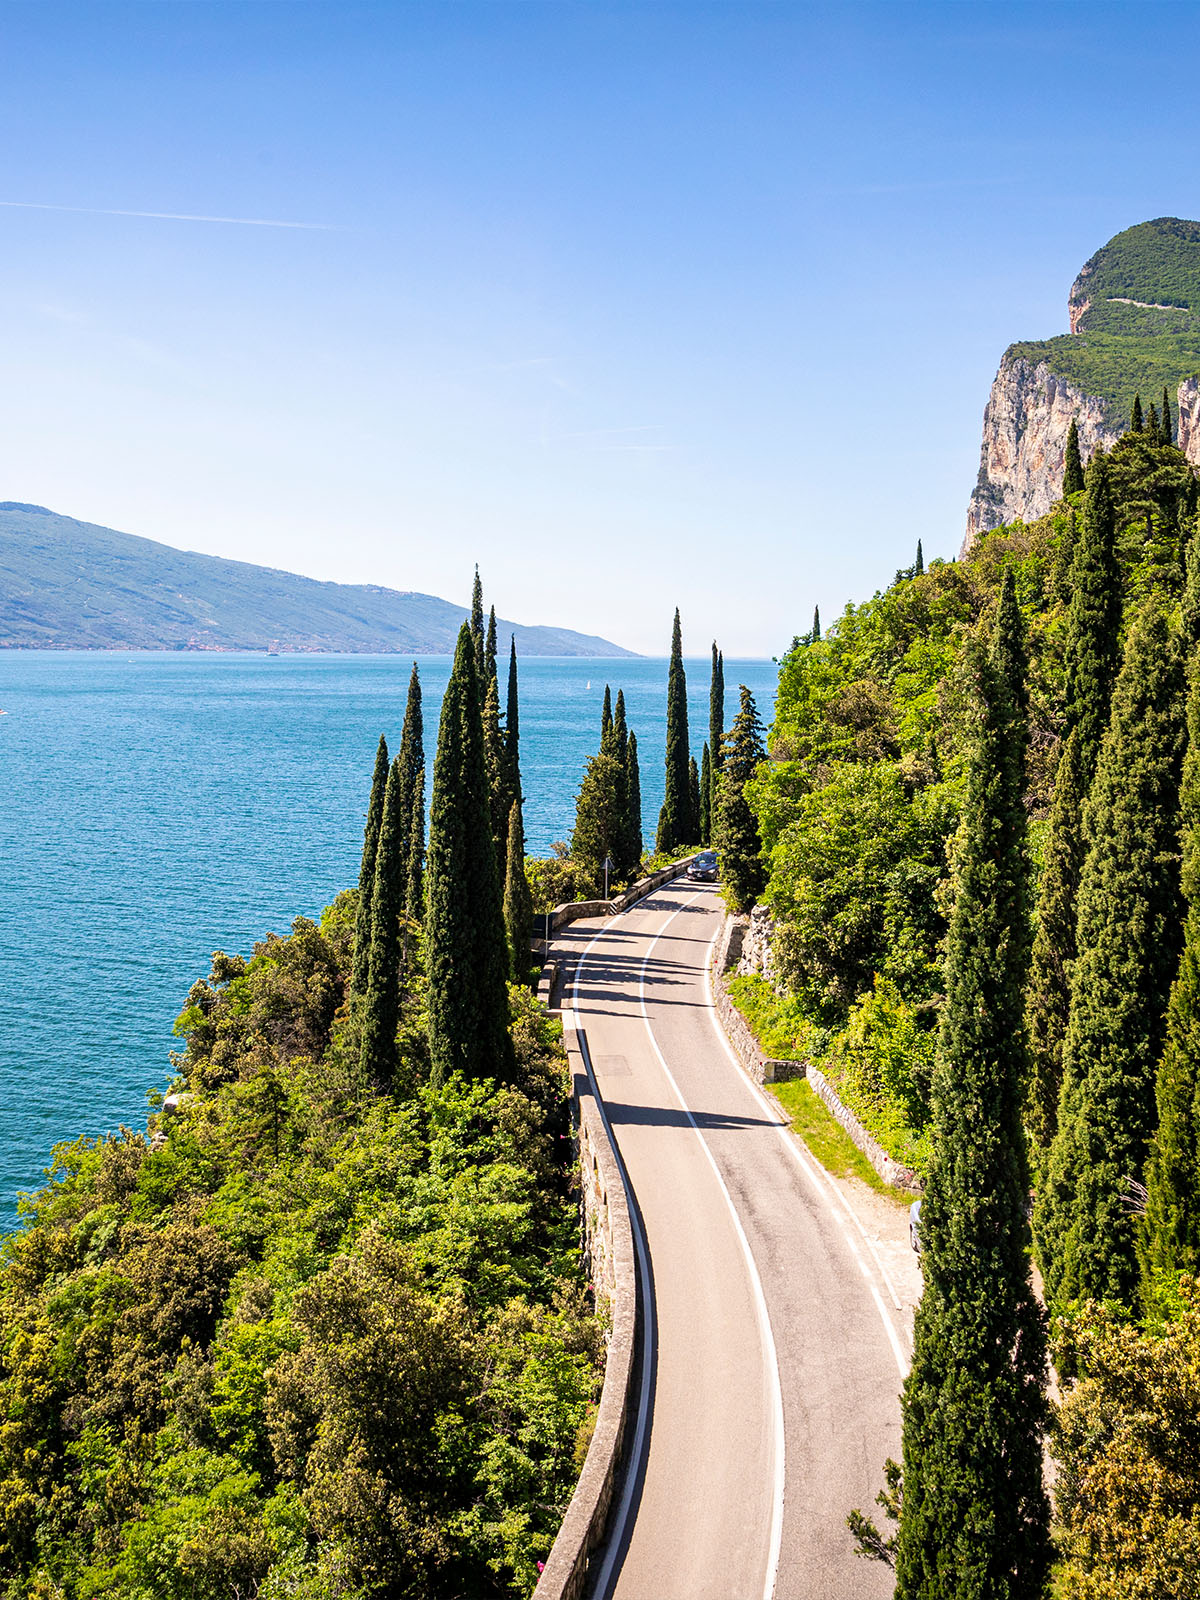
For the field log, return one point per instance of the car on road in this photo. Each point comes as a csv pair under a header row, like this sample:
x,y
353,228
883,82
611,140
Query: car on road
x,y
914,1226
704,867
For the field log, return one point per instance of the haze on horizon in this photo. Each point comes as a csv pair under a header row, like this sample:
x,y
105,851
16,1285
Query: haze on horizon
x,y
634,304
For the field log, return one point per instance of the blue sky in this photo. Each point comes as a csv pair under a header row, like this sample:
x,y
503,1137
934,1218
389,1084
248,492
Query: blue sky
x,y
636,305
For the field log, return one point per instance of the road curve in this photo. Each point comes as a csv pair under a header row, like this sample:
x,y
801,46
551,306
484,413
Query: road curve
x,y
774,1344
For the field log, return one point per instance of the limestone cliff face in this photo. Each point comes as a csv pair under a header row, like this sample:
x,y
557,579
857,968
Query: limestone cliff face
x,y
1188,428
1024,442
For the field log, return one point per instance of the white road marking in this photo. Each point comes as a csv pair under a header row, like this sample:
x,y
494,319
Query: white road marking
x,y
811,1172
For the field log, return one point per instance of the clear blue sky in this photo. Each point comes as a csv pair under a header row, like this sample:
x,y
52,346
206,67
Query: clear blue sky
x,y
633,304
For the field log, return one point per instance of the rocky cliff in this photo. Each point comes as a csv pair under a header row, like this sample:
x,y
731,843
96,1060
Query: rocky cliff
x,y
1134,315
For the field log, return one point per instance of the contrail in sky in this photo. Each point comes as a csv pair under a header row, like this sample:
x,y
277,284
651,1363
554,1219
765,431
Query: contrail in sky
x,y
167,216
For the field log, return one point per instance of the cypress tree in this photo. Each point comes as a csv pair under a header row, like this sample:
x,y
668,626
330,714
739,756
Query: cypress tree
x,y
606,716
674,817
716,732
974,1516
693,833
1128,938
919,564
1136,422
1170,1236
633,786
1065,558
1072,463
1094,617
477,627
465,940
500,795
512,717
381,1010
816,627
1152,422
735,827
705,796
629,848
413,796
601,816
518,902
1054,947
489,649
1166,421
366,872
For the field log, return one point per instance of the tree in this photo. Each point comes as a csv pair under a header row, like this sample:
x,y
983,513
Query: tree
x,y
465,940
500,794
512,721
1054,947
412,795
489,649
974,1513
366,872
674,817
606,715
1093,618
1167,432
919,564
1170,1237
1072,462
629,847
1128,938
706,786
381,1009
1152,422
816,627
736,833
477,627
1136,422
633,783
518,902
693,801
716,731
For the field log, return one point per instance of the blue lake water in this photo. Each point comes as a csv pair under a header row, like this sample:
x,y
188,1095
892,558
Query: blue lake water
x,y
156,807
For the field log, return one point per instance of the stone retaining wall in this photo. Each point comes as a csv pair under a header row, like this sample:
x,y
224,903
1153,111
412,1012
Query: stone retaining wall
x,y
608,1241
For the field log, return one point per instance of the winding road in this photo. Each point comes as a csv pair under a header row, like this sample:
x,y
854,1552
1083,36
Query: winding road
x,y
773,1351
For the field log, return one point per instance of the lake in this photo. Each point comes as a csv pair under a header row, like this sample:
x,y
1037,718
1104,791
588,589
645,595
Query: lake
x,y
157,807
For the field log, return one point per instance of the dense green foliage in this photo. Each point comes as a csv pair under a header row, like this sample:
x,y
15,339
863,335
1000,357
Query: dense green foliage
x,y
466,943
1128,940
1093,617
975,1516
1073,463
706,795
306,1340
676,825
412,798
1155,262
518,905
381,1004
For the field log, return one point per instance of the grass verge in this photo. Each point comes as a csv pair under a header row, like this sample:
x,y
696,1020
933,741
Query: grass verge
x,y
827,1140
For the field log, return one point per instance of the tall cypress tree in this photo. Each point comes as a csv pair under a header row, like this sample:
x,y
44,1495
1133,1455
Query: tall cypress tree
x,y
381,1009
705,796
1072,462
518,902
500,794
1065,557
735,827
413,796
633,787
465,940
1170,1237
693,832
716,732
675,814
816,627
974,1517
629,847
606,716
1166,423
919,564
1152,422
1128,938
512,719
366,872
477,634
1094,617
489,649
1054,948
1136,421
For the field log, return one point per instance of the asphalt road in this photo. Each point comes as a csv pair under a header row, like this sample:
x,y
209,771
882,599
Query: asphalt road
x,y
775,1342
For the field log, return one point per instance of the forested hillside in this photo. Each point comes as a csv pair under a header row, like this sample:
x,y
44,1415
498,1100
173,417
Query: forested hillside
x,y
979,828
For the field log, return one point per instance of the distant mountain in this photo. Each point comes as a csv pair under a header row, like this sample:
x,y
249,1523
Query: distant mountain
x,y
1134,315
74,585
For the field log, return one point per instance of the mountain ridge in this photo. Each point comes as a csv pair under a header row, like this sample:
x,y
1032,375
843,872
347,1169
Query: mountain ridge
x,y
69,584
